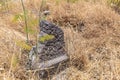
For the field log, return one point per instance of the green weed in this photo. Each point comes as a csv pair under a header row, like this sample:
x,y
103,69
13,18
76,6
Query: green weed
x,y
14,61
114,2
23,45
46,38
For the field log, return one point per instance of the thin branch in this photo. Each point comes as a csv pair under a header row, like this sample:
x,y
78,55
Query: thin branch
x,y
40,10
25,20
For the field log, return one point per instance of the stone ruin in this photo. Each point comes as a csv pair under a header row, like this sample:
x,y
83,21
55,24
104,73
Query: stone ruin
x,y
49,56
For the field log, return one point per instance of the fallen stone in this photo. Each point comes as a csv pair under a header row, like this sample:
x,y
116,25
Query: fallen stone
x,y
49,56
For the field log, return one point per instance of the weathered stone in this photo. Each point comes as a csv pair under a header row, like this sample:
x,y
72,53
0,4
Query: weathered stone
x,y
49,56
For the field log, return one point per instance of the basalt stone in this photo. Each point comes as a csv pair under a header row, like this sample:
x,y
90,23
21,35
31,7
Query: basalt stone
x,y
49,56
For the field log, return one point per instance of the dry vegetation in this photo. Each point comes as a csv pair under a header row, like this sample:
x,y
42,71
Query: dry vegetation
x,y
92,36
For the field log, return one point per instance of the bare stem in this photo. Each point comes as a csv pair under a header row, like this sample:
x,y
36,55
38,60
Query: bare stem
x,y
41,9
25,20
40,17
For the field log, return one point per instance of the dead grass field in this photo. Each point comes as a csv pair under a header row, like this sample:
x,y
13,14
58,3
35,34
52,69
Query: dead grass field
x,y
92,36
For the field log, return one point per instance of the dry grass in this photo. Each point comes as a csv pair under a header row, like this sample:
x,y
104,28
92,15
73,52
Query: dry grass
x,y
91,36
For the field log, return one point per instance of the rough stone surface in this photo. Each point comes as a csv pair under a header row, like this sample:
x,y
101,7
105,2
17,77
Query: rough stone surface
x,y
54,47
49,50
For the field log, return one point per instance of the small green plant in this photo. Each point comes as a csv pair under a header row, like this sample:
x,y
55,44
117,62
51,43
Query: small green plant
x,y
31,22
114,2
46,38
4,5
14,61
23,45
18,17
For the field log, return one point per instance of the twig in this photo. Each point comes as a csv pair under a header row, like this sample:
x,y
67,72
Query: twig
x,y
40,15
25,20
40,9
